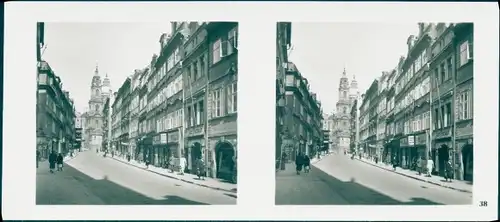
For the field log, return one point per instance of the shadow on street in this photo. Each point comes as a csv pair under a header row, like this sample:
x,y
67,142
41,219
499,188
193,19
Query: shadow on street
x,y
107,191
347,193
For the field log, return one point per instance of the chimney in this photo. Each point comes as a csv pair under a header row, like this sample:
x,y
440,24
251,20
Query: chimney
x,y
162,40
153,60
410,42
173,27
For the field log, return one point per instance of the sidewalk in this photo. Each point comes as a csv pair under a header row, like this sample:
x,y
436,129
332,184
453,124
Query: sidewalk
x,y
188,178
458,185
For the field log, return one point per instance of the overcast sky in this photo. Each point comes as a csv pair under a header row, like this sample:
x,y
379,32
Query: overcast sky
x,y
322,50
73,49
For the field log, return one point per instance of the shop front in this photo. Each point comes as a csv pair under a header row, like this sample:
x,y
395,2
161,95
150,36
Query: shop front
x,y
404,152
172,151
195,146
155,151
146,147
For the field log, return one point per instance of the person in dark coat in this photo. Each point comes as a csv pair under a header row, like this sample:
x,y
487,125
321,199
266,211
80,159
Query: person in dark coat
x,y
59,161
52,161
37,158
394,163
448,171
283,161
307,164
299,161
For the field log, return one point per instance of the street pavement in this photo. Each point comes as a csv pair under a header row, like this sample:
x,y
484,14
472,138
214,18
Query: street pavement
x,y
90,179
338,180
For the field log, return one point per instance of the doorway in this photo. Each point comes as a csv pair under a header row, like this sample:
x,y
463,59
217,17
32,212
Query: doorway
x,y
224,163
468,162
195,155
443,157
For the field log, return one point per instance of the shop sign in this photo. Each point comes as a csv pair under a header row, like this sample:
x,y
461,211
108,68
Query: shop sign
x,y
403,142
173,137
156,140
195,131
420,139
163,138
411,140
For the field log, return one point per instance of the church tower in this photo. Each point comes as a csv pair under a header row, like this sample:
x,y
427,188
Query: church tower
x,y
93,117
343,116
95,102
106,87
343,107
353,91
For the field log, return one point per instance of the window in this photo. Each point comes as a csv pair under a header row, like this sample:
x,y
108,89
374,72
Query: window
x,y
217,103
42,78
195,71
177,56
443,73
344,94
289,80
232,41
216,51
232,95
465,53
465,105
449,67
442,117
189,117
201,110
448,114
202,65
345,110
170,62
437,121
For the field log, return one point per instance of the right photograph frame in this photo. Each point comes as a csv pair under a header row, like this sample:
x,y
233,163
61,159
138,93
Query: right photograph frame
x,y
374,113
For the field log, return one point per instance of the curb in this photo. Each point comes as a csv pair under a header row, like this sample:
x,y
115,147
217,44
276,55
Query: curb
x,y
417,178
176,178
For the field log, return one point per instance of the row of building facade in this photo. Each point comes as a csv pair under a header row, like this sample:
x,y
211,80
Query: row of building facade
x,y
55,110
298,111
423,108
183,105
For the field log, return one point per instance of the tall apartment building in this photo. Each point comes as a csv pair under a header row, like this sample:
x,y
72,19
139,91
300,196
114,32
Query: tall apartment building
x,y
222,100
428,111
187,100
283,44
55,113
120,119
303,120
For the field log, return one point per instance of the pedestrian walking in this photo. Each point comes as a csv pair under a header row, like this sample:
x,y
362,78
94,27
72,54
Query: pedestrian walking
x,y
298,163
59,161
146,161
418,166
283,161
52,161
394,163
200,166
448,174
37,158
307,164
183,164
429,167
171,163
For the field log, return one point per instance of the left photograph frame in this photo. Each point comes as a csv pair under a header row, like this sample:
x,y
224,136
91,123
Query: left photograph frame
x,y
137,113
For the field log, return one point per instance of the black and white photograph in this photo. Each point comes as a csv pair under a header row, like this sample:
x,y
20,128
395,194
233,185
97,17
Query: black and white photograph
x,y
374,113
136,113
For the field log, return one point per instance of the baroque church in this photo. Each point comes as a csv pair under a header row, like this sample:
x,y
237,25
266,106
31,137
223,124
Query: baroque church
x,y
93,118
347,94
